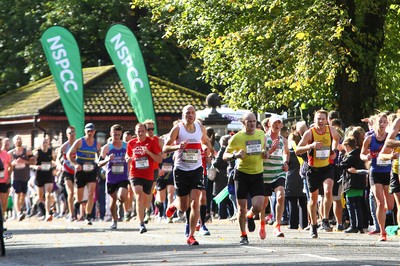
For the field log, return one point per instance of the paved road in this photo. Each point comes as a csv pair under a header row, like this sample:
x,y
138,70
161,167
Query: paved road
x,y
62,243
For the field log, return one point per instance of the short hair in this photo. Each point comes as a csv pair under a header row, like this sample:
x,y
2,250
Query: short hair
x,y
321,111
333,115
148,121
350,141
116,127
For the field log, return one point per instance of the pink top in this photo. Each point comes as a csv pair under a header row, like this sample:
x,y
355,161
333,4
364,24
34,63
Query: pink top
x,y
6,159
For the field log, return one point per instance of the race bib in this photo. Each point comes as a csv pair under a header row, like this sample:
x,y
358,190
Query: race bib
x,y
253,147
167,167
1,174
277,153
323,153
142,163
117,169
45,166
190,156
381,162
88,167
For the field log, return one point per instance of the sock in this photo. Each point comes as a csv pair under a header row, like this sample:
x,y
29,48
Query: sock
x,y
188,215
160,207
244,233
203,211
263,223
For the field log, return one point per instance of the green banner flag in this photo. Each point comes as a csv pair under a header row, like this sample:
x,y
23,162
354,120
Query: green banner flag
x,y
125,53
63,57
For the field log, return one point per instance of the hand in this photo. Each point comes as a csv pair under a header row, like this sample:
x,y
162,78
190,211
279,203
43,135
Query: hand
x,y
317,145
352,170
240,154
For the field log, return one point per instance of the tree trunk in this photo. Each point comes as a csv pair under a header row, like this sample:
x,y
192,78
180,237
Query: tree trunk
x,y
356,100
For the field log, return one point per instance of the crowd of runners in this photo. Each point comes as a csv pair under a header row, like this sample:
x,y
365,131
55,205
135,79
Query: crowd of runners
x,y
322,176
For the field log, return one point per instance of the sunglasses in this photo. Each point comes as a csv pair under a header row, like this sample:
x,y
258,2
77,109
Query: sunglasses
x,y
150,129
72,132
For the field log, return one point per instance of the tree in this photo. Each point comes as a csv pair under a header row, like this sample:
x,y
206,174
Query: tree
x,y
22,23
275,53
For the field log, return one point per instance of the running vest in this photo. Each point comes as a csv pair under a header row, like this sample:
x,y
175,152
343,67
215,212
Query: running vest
x,y
44,160
320,157
21,172
68,167
86,155
273,165
378,165
166,167
189,158
117,168
395,162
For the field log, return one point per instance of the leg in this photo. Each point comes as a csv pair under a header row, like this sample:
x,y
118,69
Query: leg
x,y
90,202
69,185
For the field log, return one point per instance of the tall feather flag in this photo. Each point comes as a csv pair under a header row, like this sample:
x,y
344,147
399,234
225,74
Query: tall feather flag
x,y
124,50
63,57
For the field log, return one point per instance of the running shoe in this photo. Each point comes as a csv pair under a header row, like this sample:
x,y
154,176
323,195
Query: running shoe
x,y
187,230
277,231
198,225
382,237
340,227
142,229
325,225
127,216
169,220
351,230
49,218
170,211
204,231
244,240
21,216
147,218
88,221
113,225
251,224
262,233
191,241
313,230
374,232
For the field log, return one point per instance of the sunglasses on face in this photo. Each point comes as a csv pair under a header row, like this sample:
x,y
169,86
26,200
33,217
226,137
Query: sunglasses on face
x,y
150,129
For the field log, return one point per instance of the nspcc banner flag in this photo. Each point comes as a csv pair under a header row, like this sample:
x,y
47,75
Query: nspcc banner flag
x,y
63,57
125,53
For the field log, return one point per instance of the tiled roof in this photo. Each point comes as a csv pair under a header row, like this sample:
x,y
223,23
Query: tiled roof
x,y
104,94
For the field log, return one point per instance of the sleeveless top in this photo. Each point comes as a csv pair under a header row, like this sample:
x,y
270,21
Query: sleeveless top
x,y
166,166
320,157
68,167
378,165
395,162
44,160
273,165
117,168
21,172
86,155
189,158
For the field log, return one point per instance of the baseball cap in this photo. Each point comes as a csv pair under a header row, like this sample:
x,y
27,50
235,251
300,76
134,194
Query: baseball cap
x,y
274,118
90,126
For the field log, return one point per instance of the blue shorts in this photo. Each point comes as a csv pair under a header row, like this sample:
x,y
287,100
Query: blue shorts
x,y
20,186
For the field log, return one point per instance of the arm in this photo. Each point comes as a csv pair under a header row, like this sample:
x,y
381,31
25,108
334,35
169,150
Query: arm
x,y
229,156
365,153
59,156
205,140
157,157
77,144
104,156
172,136
304,145
286,155
391,141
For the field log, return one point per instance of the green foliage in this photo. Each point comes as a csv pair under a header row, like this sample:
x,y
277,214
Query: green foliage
x,y
274,53
23,22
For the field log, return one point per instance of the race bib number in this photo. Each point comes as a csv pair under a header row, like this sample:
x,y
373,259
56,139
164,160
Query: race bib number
x,y
253,147
277,153
142,163
381,162
20,166
117,169
88,167
323,153
190,156
1,174
167,167
45,166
